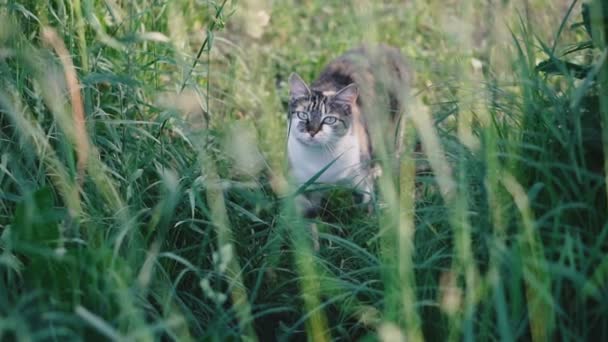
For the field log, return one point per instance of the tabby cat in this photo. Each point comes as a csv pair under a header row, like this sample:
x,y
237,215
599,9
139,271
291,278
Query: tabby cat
x,y
332,121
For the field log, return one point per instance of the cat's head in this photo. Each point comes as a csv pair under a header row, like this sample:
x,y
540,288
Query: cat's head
x,y
317,118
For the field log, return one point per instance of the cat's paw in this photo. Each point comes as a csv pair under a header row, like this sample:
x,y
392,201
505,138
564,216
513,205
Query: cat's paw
x,y
306,207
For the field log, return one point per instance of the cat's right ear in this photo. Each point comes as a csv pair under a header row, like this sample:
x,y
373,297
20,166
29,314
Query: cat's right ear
x,y
297,86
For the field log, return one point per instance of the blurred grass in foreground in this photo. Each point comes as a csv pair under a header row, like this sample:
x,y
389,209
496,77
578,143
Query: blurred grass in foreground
x,y
165,213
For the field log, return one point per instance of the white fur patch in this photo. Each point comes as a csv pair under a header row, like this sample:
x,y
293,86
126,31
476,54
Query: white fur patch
x,y
307,160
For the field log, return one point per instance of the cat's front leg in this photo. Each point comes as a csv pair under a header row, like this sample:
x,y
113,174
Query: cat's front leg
x,y
309,206
368,194
365,192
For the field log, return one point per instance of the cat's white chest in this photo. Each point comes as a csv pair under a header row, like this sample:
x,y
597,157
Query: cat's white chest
x,y
306,161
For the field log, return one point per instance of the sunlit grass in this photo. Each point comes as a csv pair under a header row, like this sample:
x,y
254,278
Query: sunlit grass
x,y
167,213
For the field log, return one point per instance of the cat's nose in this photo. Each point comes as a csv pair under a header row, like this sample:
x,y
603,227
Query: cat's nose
x,y
313,129
313,132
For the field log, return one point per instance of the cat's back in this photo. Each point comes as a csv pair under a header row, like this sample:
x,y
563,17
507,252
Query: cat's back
x,y
374,68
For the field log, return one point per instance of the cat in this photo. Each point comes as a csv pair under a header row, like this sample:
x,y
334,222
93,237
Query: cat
x,y
331,121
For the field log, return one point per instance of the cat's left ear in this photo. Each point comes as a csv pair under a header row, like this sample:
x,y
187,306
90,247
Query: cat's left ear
x,y
347,95
297,86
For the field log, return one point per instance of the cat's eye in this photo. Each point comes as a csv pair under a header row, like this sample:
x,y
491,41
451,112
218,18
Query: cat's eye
x,y
302,115
330,120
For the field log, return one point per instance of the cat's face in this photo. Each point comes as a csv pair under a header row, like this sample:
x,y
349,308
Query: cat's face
x,y
318,119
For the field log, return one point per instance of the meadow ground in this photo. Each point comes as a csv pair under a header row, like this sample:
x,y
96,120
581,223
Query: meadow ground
x,y
143,192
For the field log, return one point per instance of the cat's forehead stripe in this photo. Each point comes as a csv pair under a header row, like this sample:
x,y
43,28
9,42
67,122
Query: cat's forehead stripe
x,y
317,102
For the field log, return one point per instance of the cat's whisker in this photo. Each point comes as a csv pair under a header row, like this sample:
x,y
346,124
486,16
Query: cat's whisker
x,y
330,149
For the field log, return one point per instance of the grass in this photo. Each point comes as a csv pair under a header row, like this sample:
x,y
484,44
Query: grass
x,y
144,193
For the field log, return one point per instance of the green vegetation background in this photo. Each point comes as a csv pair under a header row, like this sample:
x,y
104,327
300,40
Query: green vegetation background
x,y
142,174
